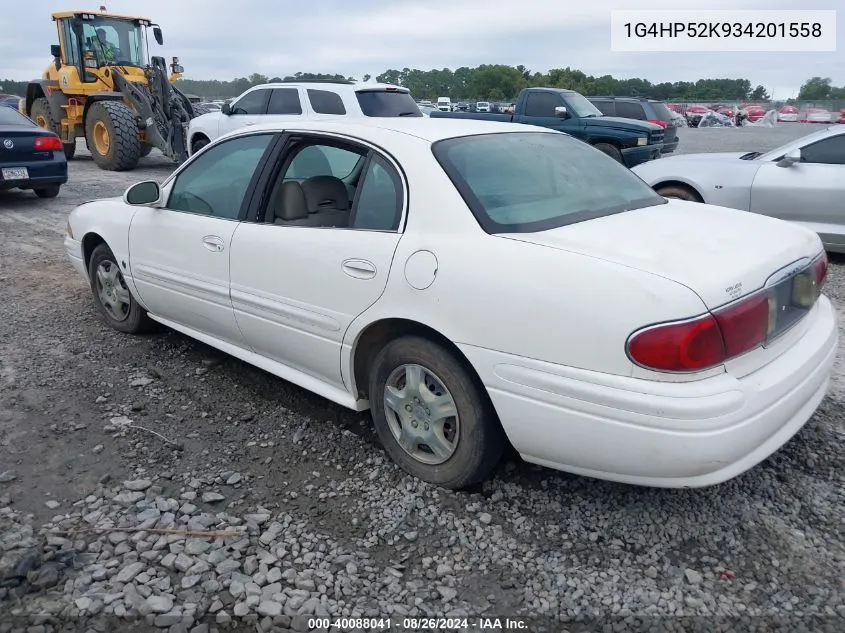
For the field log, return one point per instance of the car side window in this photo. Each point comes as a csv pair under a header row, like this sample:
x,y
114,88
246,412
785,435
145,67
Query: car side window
x,y
542,104
313,188
607,107
829,151
254,102
216,181
284,101
628,110
379,204
326,102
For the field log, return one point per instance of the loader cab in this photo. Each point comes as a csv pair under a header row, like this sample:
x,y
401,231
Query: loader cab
x,y
90,42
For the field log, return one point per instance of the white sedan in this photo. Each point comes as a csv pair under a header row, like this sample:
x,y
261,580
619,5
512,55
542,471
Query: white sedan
x,y
802,181
475,283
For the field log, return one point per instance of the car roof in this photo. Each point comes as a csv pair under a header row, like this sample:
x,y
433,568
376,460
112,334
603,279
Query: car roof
x,y
425,128
335,85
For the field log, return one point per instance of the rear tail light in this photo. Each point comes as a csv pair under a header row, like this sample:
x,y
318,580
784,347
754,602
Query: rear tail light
x,y
663,124
48,144
711,339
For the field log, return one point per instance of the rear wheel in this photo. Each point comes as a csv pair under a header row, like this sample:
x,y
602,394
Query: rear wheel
x,y
432,415
42,114
112,296
50,191
678,192
610,150
112,136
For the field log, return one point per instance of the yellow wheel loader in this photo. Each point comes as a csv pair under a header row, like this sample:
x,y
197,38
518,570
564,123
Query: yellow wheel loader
x,y
103,86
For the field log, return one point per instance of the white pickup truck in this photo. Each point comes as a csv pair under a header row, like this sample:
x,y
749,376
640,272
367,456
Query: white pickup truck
x,y
301,100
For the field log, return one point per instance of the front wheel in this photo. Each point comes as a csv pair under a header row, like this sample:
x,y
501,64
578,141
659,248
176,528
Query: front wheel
x,y
678,193
112,135
610,150
112,295
432,415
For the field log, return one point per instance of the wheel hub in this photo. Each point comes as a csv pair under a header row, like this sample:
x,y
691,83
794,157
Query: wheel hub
x,y
422,414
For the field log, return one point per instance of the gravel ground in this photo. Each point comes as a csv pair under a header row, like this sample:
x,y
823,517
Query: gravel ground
x,y
155,480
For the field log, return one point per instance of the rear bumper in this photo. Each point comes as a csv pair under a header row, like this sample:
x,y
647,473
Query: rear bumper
x,y
41,173
664,434
632,156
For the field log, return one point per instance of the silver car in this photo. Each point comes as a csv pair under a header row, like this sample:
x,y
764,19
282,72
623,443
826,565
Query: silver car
x,y
802,181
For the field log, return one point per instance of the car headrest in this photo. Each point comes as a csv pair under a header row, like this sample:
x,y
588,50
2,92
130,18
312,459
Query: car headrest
x,y
324,193
291,202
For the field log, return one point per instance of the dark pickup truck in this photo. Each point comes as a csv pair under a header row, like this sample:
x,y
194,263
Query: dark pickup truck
x,y
628,141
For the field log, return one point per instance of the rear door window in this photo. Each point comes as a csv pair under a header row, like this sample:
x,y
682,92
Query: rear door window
x,y
629,110
284,101
326,102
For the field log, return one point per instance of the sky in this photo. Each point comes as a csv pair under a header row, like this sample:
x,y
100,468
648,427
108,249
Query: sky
x,y
223,39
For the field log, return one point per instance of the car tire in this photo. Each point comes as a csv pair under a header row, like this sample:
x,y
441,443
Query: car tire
x,y
678,192
610,150
131,320
468,445
198,144
112,135
50,191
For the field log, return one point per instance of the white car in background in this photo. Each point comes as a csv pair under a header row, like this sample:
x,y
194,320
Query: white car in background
x,y
443,273
802,181
482,106
817,115
444,104
298,100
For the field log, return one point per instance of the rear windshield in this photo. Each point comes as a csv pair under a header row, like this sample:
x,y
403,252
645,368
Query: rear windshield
x,y
382,103
663,113
10,116
522,182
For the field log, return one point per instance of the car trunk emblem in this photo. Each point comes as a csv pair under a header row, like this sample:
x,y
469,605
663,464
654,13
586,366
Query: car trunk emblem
x,y
7,143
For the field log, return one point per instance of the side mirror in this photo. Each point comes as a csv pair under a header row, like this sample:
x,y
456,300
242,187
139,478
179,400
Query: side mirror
x,y
226,109
56,50
561,112
157,34
142,193
790,158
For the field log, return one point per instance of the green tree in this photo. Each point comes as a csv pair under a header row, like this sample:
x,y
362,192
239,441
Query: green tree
x,y
815,89
759,94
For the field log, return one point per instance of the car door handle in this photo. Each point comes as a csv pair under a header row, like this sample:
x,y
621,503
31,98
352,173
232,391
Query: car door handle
x,y
248,124
213,243
359,268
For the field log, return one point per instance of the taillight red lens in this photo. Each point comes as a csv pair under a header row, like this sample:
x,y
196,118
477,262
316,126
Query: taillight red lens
x,y
821,271
704,342
744,325
687,346
663,124
48,144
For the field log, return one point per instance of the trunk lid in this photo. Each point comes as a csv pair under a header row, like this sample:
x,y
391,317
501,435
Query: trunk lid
x,y
22,139
720,254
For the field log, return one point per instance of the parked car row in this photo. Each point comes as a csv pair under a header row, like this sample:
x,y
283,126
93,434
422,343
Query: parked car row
x,y
692,364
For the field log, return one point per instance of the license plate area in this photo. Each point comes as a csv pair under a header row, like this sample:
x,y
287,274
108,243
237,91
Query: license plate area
x,y
790,301
15,173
